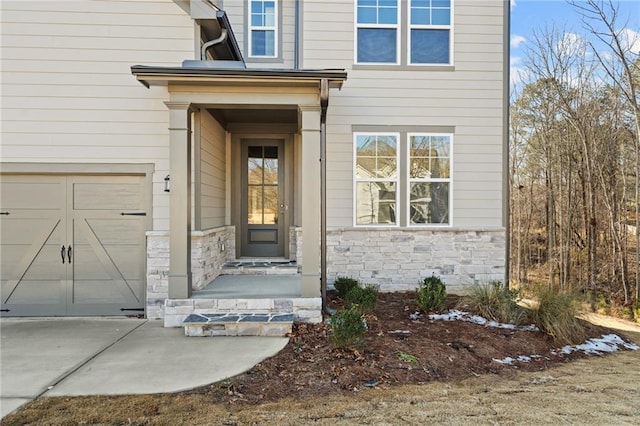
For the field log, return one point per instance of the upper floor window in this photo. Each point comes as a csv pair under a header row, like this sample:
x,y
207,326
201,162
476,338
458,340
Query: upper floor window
x,y
428,25
377,31
429,31
263,28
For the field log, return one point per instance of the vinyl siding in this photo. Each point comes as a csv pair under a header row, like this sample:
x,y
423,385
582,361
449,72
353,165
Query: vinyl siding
x,y
67,90
212,172
468,97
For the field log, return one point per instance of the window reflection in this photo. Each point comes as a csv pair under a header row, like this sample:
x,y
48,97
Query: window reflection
x,y
262,188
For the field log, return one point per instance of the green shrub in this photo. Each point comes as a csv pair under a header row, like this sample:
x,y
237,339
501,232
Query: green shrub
x,y
496,302
431,294
556,315
363,297
348,329
344,284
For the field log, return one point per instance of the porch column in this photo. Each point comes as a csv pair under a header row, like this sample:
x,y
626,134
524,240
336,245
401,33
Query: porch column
x,y
310,130
179,201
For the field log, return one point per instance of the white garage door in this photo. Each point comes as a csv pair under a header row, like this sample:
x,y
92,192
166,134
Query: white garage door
x,y
72,245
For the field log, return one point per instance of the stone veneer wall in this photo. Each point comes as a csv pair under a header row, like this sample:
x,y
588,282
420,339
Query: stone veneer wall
x,y
397,259
210,249
295,244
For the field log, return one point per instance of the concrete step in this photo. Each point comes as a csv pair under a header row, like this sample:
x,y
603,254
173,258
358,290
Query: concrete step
x,y
239,324
260,267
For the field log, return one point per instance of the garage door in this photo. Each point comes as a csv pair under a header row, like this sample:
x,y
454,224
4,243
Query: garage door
x,y
72,245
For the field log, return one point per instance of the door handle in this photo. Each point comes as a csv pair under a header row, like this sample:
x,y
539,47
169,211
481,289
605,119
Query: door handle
x,y
62,254
68,254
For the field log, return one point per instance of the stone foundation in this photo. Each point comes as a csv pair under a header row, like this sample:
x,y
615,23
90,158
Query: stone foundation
x,y
210,249
398,259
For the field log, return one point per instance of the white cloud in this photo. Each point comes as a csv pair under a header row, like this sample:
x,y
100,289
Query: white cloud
x,y
572,44
517,73
513,4
631,40
517,40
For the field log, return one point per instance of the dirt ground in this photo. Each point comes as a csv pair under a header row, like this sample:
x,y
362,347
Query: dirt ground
x,y
410,371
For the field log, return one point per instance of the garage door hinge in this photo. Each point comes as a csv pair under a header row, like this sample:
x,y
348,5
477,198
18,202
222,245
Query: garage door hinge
x,y
133,214
5,213
5,310
132,309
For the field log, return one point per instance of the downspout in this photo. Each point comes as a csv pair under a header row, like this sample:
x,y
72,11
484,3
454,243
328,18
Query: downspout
x,y
203,49
324,103
296,36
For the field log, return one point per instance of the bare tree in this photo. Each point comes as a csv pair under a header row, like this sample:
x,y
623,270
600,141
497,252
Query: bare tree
x,y
622,65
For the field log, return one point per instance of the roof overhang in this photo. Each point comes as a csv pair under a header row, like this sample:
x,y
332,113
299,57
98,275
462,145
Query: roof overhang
x,y
164,76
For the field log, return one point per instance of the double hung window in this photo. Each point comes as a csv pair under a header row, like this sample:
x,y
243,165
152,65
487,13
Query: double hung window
x,y
402,179
376,172
263,28
429,179
429,31
377,31
426,23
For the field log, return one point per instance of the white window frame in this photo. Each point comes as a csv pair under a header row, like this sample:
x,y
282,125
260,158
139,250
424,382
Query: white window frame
x,y
395,26
410,180
411,26
357,180
273,28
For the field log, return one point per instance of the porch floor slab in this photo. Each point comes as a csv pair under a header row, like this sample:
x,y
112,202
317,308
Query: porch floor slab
x,y
251,287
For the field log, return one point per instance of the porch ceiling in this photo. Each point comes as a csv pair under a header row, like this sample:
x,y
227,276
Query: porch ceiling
x,y
226,116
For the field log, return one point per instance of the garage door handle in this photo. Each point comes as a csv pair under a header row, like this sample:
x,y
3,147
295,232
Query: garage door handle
x,y
62,254
69,254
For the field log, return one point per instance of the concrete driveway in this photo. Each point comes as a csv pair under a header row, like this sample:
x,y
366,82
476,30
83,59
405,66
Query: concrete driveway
x,y
108,356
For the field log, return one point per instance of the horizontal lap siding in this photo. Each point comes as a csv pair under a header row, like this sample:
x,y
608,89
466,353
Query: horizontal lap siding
x,y
212,172
237,13
68,94
469,98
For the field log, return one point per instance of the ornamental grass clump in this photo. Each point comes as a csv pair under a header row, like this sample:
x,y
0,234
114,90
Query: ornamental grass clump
x,y
431,294
365,298
556,315
496,302
344,284
348,329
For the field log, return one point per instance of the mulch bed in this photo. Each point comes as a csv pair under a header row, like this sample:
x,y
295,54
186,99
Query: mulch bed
x,y
398,350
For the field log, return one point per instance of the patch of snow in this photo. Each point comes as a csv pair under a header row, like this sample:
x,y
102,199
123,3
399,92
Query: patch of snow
x,y
597,346
456,315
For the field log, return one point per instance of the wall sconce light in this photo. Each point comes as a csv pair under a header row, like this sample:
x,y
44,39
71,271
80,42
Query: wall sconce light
x,y
167,184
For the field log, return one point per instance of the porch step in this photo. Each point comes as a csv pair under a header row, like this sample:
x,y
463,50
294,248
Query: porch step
x,y
239,324
260,267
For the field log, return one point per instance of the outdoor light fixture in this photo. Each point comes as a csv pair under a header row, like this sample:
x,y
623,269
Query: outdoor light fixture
x,y
167,184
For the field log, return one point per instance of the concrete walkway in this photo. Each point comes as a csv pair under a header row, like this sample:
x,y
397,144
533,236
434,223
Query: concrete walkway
x,y
108,356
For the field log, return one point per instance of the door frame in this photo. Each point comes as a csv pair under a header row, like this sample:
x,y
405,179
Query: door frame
x,y
236,184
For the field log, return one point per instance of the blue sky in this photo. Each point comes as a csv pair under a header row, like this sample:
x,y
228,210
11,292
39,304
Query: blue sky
x,y
528,16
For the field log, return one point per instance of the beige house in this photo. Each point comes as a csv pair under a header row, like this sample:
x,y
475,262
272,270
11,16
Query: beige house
x,y
151,147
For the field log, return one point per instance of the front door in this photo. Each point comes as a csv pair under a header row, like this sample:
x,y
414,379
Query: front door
x,y
263,204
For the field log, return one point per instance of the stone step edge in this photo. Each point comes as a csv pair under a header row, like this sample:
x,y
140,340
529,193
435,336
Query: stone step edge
x,y
275,324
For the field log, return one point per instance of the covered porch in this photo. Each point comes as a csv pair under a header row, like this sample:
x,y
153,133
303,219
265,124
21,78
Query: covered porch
x,y
245,182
